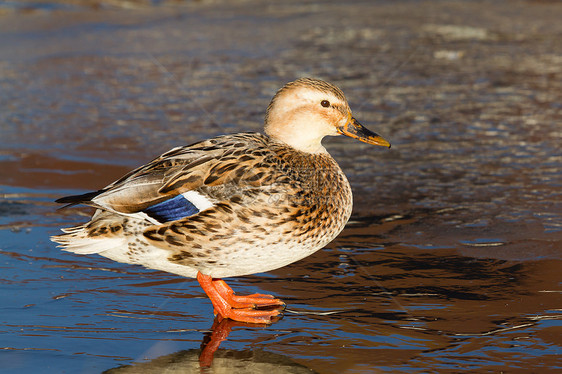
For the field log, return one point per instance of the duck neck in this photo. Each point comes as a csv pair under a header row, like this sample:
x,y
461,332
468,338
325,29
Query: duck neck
x,y
304,142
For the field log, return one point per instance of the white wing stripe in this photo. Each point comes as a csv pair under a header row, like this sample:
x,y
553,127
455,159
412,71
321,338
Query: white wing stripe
x,y
197,199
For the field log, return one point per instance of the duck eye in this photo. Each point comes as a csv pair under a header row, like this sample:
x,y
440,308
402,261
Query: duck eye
x,y
325,103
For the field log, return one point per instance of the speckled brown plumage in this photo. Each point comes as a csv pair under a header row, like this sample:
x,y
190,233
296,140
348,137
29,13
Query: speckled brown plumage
x,y
285,198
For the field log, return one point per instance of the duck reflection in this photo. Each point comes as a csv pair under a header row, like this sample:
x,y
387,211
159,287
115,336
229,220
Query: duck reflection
x,y
219,333
210,359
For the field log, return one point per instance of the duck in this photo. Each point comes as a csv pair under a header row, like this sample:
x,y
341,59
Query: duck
x,y
232,205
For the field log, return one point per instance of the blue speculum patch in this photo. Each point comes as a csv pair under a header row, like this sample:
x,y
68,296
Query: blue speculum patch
x,y
173,209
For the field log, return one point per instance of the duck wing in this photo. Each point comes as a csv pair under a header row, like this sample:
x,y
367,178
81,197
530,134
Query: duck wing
x,y
176,184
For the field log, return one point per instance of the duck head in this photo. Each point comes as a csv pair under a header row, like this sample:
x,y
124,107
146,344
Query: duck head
x,y
304,111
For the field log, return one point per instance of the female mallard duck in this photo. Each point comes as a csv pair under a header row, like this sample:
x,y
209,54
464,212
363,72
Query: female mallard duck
x,y
232,205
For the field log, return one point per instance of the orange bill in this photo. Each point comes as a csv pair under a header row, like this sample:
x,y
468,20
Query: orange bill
x,y
355,130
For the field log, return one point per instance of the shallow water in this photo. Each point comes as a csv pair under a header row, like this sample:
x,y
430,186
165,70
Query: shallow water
x,y
451,261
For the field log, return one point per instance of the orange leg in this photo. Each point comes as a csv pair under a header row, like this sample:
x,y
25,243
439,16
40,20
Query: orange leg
x,y
238,308
250,301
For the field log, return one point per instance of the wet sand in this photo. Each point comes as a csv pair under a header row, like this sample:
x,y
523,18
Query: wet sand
x,y
452,258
